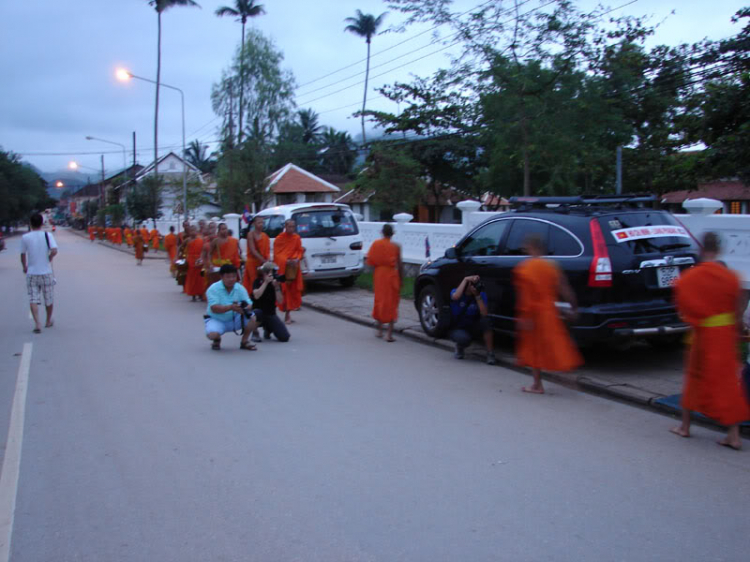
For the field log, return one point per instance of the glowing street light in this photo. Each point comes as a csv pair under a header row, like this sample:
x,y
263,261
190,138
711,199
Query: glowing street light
x,y
124,75
73,165
59,184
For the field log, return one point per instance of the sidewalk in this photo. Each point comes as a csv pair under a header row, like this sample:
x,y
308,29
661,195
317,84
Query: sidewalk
x,y
150,255
638,375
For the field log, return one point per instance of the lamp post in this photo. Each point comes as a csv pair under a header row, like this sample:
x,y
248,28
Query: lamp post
x,y
73,165
124,156
125,75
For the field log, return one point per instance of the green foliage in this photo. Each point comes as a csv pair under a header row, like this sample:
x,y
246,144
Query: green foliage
x,y
364,281
241,175
197,155
196,194
394,177
115,213
145,200
22,190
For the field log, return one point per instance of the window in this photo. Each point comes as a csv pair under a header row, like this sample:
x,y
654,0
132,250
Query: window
x,y
273,225
522,229
322,224
735,208
562,244
286,198
172,166
485,241
315,197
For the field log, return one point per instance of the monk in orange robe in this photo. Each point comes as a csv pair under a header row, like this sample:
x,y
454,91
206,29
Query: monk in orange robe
x,y
138,243
170,245
195,283
225,248
100,232
118,236
154,236
92,233
145,234
709,298
258,246
287,253
542,340
128,236
385,258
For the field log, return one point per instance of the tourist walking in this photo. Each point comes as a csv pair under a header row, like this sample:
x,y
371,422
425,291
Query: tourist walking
x,y
38,249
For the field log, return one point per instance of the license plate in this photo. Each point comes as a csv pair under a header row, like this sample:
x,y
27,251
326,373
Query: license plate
x,y
328,259
667,276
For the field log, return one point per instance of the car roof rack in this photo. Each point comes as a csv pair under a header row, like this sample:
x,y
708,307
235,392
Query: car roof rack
x,y
630,198
566,204
544,201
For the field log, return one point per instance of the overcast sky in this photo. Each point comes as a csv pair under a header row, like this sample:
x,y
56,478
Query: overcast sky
x,y
59,59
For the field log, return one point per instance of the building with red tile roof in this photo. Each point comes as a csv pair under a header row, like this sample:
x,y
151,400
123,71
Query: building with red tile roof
x,y
733,193
292,184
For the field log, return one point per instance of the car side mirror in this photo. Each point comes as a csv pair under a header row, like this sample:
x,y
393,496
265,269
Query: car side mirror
x,y
451,253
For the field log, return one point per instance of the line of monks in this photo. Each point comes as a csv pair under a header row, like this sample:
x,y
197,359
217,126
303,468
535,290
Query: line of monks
x,y
119,234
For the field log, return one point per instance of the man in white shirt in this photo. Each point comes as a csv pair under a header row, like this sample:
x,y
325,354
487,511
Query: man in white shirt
x,y
38,248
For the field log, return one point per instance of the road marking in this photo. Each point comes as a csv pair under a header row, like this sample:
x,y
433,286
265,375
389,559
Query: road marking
x,y
12,459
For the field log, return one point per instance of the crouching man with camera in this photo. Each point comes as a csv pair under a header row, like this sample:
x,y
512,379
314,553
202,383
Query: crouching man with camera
x,y
469,317
267,295
229,310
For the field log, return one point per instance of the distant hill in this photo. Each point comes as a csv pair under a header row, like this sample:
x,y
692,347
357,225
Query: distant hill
x,y
72,181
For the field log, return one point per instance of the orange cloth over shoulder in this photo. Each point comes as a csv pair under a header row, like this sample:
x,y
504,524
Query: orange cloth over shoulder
x,y
288,247
707,298
548,345
154,234
92,233
263,246
138,244
383,257
118,236
229,250
195,284
170,245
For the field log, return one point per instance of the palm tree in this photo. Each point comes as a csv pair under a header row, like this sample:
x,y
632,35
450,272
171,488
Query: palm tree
x,y
337,153
242,10
365,25
197,154
160,6
308,119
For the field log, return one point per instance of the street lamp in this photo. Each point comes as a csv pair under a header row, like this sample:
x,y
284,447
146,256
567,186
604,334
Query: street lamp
x,y
124,156
59,184
125,75
73,165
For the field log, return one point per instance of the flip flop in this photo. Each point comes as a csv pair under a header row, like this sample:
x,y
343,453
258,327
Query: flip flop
x,y
248,347
216,345
37,331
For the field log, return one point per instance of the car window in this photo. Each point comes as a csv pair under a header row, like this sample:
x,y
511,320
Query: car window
x,y
325,223
647,232
562,243
485,241
273,225
522,228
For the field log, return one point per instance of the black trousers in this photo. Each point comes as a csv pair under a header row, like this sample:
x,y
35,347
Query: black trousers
x,y
464,336
272,324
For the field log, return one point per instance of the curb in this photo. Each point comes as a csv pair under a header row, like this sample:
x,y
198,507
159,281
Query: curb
x,y
581,383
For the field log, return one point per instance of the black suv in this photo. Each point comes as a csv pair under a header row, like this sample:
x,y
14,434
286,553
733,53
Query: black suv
x,y
621,258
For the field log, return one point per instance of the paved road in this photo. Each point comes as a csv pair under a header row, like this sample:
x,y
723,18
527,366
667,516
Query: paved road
x,y
141,444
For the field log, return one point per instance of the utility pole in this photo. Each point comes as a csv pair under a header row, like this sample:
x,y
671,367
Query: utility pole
x,y
101,188
619,170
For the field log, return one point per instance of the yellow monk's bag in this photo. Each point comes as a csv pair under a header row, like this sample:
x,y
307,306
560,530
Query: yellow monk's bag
x,y
292,269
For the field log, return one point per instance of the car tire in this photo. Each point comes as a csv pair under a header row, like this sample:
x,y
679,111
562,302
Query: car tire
x,y
348,281
431,314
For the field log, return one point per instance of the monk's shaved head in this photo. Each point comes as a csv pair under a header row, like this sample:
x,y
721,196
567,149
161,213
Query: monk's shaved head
x,y
711,243
387,230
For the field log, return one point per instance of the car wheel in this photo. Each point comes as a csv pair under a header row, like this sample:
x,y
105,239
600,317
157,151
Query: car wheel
x,y
348,281
431,314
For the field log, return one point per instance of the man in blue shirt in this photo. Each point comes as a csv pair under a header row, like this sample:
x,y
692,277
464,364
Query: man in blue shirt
x,y
469,317
229,309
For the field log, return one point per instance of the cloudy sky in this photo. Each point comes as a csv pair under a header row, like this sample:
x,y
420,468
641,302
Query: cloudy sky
x,y
59,59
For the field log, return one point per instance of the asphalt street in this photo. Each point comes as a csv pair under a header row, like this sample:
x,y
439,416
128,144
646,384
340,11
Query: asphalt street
x,y
141,444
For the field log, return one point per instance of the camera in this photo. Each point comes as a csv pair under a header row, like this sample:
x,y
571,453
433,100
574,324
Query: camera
x,y
279,278
245,306
479,286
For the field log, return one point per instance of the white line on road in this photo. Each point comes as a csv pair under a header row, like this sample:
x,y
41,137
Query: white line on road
x,y
12,459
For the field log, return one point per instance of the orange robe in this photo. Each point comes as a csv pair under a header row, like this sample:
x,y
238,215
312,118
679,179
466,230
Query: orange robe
x,y
288,247
118,236
707,298
92,233
228,251
154,239
138,243
100,232
547,345
195,283
128,237
252,264
145,235
170,245
383,257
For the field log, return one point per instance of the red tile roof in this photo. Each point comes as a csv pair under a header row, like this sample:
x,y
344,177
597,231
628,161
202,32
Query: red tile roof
x,y
293,179
723,190
356,196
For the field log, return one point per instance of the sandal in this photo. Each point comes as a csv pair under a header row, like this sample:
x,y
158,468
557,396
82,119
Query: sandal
x,y
216,345
247,346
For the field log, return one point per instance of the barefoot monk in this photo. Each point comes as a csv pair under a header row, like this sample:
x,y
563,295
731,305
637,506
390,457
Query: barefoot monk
x,y
385,258
287,253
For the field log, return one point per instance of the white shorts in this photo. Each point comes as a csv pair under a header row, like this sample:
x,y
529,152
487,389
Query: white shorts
x,y
38,285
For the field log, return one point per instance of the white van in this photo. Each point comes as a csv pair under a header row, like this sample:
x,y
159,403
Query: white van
x,y
330,236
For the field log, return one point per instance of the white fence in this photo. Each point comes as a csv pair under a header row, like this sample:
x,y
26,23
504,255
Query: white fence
x,y
734,231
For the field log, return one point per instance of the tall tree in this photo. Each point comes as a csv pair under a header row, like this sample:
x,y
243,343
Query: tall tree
x,y
22,190
197,154
160,6
365,25
308,119
243,9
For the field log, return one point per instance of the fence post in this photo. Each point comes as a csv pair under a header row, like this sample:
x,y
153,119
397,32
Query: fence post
x,y
467,207
702,206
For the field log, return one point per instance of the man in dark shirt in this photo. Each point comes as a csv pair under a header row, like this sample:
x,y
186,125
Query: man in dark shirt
x,y
469,318
266,295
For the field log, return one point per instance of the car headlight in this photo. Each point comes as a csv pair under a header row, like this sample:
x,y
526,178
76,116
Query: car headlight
x,y
425,265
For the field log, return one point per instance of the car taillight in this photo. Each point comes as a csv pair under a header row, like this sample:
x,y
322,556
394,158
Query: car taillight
x,y
600,272
355,246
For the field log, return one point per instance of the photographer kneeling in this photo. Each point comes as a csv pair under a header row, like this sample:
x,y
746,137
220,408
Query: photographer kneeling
x,y
266,295
469,317
229,309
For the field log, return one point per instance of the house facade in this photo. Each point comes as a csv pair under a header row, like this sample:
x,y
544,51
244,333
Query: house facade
x,y
292,184
733,194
